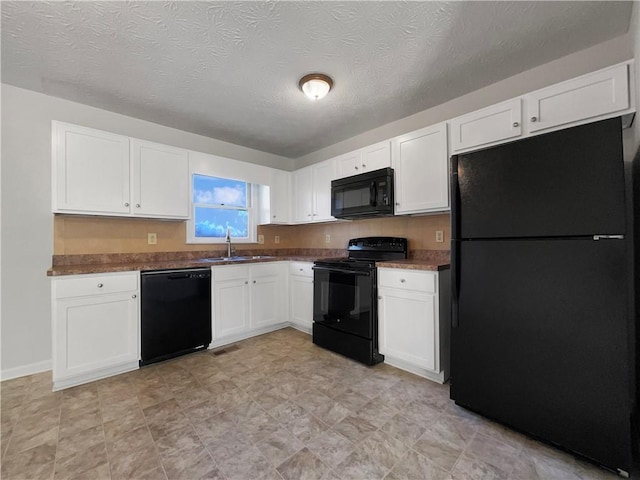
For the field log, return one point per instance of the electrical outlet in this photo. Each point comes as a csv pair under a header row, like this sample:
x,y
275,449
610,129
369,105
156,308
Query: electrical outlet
x,y
260,238
327,238
276,239
439,236
152,238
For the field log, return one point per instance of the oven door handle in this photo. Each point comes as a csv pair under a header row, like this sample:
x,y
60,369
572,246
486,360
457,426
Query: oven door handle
x,y
341,270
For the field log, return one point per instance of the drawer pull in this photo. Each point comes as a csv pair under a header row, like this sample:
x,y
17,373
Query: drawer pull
x,y
126,204
402,280
100,285
302,269
534,119
134,296
516,124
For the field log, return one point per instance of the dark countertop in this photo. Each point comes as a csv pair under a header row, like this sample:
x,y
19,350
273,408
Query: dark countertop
x,y
433,260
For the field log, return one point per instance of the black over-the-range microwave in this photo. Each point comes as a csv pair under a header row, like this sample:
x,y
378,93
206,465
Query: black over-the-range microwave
x,y
365,195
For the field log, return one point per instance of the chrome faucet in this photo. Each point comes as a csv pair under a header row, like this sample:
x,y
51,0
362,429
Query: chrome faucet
x,y
228,240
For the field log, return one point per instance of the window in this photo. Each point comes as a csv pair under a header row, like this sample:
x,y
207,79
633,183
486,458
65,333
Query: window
x,y
218,204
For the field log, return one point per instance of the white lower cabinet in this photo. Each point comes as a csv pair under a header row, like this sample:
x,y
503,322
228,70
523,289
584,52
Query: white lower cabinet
x,y
414,321
301,295
248,300
268,294
230,301
96,322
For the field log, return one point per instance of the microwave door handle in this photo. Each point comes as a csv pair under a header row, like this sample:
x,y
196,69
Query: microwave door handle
x,y
373,201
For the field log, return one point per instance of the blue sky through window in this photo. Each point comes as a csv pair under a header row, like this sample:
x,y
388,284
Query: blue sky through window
x,y
220,203
219,191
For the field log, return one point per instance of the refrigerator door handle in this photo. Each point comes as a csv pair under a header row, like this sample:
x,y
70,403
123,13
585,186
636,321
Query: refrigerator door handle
x,y
455,281
455,198
608,237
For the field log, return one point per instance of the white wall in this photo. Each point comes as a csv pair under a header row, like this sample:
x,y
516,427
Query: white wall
x,y
26,238
599,56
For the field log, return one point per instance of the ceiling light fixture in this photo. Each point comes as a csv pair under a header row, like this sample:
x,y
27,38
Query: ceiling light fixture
x,y
315,85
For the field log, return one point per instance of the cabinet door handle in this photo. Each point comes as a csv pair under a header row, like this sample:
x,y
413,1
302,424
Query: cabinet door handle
x,y
137,205
246,282
397,204
355,167
534,119
516,124
402,280
302,269
126,204
274,216
134,296
308,214
254,281
364,166
379,298
100,285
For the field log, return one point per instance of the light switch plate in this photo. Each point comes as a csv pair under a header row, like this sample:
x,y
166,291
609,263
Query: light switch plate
x,y
260,238
152,238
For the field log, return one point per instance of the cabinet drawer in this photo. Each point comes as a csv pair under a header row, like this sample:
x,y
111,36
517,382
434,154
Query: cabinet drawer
x,y
302,269
408,280
82,285
232,272
267,269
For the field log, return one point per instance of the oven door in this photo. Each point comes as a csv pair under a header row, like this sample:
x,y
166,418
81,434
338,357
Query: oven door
x,y
344,299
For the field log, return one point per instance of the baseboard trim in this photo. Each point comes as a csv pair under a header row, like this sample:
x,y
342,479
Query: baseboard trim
x,y
441,377
23,371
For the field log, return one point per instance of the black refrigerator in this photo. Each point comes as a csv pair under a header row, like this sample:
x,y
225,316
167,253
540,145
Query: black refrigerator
x,y
542,336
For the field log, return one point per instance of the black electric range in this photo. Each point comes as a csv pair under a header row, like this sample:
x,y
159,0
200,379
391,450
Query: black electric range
x,y
345,297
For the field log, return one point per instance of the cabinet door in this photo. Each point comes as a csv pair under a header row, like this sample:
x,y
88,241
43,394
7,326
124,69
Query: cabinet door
x,y
348,164
93,333
323,173
160,180
90,171
302,301
376,156
488,126
303,197
407,328
230,307
265,301
581,99
421,171
280,194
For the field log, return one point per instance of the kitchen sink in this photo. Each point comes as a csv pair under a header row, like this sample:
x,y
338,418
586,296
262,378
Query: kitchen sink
x,y
238,258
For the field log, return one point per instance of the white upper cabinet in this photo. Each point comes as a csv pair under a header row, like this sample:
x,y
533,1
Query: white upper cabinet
x,y
280,197
588,98
349,164
376,156
160,180
581,99
497,123
90,171
323,173
100,173
312,192
302,195
421,171
373,157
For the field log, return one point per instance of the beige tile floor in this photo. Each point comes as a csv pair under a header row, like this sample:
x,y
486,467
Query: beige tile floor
x,y
276,407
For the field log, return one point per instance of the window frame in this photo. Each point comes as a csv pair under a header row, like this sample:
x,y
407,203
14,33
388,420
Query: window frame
x,y
251,208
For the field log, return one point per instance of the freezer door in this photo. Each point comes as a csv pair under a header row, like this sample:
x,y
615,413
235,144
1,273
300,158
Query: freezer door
x,y
539,341
565,183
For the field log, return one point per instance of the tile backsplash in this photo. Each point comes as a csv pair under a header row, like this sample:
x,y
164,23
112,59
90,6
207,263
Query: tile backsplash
x,y
88,235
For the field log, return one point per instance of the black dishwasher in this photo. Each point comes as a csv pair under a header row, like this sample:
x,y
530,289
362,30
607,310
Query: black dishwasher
x,y
175,313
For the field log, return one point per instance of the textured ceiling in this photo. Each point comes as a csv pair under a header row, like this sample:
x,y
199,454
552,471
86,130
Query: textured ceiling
x,y
230,70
